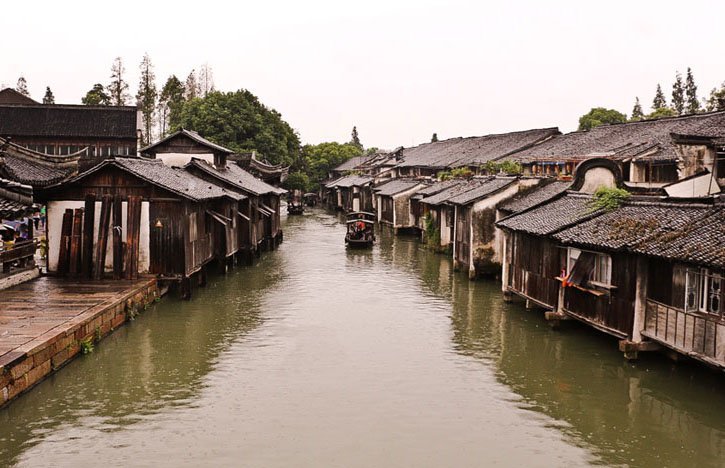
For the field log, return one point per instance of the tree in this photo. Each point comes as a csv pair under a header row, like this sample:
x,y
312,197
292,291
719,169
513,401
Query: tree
x,y
678,95
191,87
321,158
716,101
659,101
118,88
637,113
22,87
48,98
240,122
693,103
205,80
170,101
146,97
97,96
355,140
662,112
434,138
297,181
600,116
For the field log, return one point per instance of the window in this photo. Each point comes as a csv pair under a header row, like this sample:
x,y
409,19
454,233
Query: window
x,y
584,267
703,291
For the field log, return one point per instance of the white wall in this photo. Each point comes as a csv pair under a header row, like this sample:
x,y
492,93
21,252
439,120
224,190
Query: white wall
x,y
55,224
700,186
597,177
180,159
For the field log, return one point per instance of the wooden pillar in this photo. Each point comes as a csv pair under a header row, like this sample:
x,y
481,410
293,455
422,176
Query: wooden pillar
x,y
102,243
640,299
89,212
117,238
64,247
133,232
185,288
75,243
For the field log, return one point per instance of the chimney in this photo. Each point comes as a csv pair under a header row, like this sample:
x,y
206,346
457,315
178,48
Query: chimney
x,y
220,160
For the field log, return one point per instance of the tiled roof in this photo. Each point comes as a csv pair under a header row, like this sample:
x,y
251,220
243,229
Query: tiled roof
x,y
488,187
472,151
177,181
551,217
444,196
437,187
193,136
649,139
237,177
351,163
534,196
688,233
58,121
31,172
396,186
15,199
351,180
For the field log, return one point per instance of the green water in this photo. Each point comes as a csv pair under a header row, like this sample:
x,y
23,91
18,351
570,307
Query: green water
x,y
316,356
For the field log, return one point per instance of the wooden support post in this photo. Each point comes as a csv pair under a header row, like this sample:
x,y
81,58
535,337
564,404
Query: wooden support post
x,y
133,231
102,243
117,238
64,248
89,212
75,243
185,288
203,276
631,347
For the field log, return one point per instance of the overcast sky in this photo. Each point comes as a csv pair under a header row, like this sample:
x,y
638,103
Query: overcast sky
x,y
398,70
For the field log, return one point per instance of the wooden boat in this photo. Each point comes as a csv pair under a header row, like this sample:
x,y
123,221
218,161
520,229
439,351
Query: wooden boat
x,y
360,229
294,203
311,199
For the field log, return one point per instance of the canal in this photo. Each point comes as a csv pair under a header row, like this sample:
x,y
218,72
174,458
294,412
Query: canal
x,y
318,356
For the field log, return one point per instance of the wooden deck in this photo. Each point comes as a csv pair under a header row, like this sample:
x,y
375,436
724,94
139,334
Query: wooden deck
x,y
43,321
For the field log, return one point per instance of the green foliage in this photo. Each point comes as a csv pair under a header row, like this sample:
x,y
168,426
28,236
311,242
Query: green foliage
x,y
608,199
637,113
662,112
355,139
457,173
505,167
297,181
146,97
600,116
692,103
239,121
87,345
170,101
432,233
48,98
434,138
678,95
659,101
716,101
118,87
320,159
97,96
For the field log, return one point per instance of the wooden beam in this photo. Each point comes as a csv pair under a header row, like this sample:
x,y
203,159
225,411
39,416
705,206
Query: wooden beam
x,y
117,238
102,243
64,247
89,212
75,243
133,232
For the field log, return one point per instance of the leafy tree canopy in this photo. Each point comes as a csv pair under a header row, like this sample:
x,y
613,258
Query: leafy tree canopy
x,y
600,116
48,98
240,122
97,96
637,113
662,112
320,159
297,181
716,101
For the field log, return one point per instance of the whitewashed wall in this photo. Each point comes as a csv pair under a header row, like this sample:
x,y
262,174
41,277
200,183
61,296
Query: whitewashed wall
x,y
180,159
55,224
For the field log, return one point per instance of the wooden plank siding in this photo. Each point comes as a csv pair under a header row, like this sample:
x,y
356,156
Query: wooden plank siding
x,y
535,263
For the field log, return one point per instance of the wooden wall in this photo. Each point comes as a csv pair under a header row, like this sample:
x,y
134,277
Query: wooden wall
x,y
535,263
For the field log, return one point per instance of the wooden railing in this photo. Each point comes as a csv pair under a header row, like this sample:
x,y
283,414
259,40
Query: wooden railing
x,y
695,334
20,255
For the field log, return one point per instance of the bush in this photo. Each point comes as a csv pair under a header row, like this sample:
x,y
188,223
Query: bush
x,y
608,199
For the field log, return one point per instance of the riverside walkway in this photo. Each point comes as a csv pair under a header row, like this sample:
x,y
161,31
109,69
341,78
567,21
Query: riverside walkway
x,y
44,321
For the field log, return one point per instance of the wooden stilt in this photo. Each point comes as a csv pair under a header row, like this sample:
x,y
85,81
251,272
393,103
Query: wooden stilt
x,y
64,248
117,238
89,212
102,243
75,243
133,231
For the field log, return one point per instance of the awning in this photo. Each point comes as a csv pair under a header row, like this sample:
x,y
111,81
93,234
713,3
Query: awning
x,y
218,217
